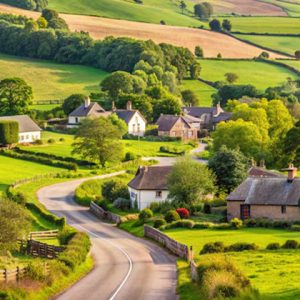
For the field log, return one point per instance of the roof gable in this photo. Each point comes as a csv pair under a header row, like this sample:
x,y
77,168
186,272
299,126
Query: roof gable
x,y
167,122
93,110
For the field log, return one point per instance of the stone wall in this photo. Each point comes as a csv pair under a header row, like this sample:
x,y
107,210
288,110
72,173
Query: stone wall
x,y
194,271
103,214
176,248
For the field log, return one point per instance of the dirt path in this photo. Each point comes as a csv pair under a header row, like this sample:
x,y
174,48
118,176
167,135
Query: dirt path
x,y
212,42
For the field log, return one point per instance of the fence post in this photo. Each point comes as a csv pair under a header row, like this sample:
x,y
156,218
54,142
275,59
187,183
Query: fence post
x,y
18,274
191,253
5,275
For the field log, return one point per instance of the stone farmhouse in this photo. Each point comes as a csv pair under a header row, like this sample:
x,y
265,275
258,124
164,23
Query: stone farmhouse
x,y
136,123
178,126
29,131
149,185
269,195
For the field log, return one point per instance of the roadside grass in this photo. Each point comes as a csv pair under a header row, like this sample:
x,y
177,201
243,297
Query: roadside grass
x,y
265,24
14,169
260,74
49,80
202,90
286,44
133,227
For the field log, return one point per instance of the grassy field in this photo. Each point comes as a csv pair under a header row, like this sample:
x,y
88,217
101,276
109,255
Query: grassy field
x,y
43,107
64,148
51,80
276,274
202,90
259,74
292,7
266,24
286,44
292,63
15,169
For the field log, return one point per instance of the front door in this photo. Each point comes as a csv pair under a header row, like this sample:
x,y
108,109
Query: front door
x,y
245,212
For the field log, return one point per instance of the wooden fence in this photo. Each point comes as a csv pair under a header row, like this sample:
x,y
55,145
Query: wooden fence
x,y
12,275
176,248
103,214
43,234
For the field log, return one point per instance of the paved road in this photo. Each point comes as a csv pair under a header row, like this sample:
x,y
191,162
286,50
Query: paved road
x,y
126,267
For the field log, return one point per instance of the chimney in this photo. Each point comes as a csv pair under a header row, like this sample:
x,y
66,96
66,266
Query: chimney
x,y
113,107
87,102
218,109
292,172
129,105
253,162
262,164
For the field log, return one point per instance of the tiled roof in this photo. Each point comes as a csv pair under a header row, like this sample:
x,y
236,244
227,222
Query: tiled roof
x,y
224,116
199,111
26,124
151,178
93,110
262,172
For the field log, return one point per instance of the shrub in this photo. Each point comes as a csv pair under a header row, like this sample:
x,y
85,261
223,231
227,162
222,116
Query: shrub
x,y
36,271
114,189
51,141
38,142
145,214
161,207
281,224
9,132
62,139
295,227
130,156
65,236
183,213
239,247
216,247
19,198
222,226
236,223
159,222
203,225
171,216
123,204
273,246
207,208
250,222
290,244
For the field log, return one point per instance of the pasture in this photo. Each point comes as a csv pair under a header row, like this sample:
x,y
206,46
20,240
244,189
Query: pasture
x,y
51,81
285,44
275,273
260,74
292,7
293,63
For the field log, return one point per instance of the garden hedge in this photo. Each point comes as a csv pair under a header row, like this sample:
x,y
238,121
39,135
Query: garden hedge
x,y
9,132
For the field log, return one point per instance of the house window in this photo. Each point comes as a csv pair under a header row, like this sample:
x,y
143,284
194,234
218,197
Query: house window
x,y
245,212
283,209
22,137
158,194
76,120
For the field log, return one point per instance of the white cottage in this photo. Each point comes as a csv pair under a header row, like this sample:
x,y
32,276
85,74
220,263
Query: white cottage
x,y
29,131
149,185
136,123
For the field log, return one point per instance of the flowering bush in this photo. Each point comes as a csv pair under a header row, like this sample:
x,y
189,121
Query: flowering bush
x,y
183,213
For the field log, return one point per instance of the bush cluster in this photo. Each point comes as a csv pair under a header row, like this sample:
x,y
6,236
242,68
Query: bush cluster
x,y
122,204
145,214
88,191
178,224
9,132
172,150
171,216
219,247
183,213
151,138
41,160
159,222
37,5
114,189
267,223
289,244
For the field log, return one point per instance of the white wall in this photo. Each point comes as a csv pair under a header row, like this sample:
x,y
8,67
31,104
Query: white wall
x,y
133,125
29,137
74,120
145,198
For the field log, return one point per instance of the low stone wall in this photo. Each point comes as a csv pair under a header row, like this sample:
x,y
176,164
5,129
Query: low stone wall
x,y
176,248
194,272
103,214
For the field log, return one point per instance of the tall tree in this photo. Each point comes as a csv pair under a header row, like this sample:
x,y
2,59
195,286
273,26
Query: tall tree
x,y
226,25
215,25
15,96
189,182
231,77
72,102
98,140
182,6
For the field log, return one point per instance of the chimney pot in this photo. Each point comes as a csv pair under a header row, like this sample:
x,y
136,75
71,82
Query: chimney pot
x,y
129,105
292,173
87,102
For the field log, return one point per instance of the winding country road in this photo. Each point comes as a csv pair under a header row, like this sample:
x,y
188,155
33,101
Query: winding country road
x,y
126,267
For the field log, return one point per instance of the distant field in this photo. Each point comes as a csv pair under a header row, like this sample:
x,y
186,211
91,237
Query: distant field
x,y
262,75
202,90
284,44
292,7
51,80
266,24
292,63
43,107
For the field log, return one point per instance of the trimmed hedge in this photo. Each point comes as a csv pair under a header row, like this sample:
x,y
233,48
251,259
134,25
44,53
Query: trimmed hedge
x,y
219,247
9,132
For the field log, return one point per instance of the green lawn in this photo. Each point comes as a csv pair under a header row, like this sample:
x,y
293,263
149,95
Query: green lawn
x,y
202,90
276,274
15,169
51,81
143,148
151,11
286,44
260,74
265,24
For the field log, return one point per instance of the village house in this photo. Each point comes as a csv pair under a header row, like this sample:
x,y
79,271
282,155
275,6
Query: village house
x,y
176,126
209,117
29,131
136,123
270,196
149,185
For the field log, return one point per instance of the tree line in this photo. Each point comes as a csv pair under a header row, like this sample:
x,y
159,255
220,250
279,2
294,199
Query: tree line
x,y
36,5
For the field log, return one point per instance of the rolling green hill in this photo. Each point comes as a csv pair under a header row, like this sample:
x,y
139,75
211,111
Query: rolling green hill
x,y
51,81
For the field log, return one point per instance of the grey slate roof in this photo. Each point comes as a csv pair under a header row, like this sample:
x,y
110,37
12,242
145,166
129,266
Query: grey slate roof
x,y
151,178
125,115
166,122
267,191
26,124
262,172
224,116
191,119
93,110
197,112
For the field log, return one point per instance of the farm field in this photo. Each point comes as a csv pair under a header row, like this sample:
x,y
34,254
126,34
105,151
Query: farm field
x,y
260,74
15,169
259,266
51,81
292,63
286,44
212,43
202,90
266,25
43,107
292,7
64,148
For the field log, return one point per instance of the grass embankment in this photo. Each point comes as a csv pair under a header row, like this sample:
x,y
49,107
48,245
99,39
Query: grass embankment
x,y
274,273
261,75
49,80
